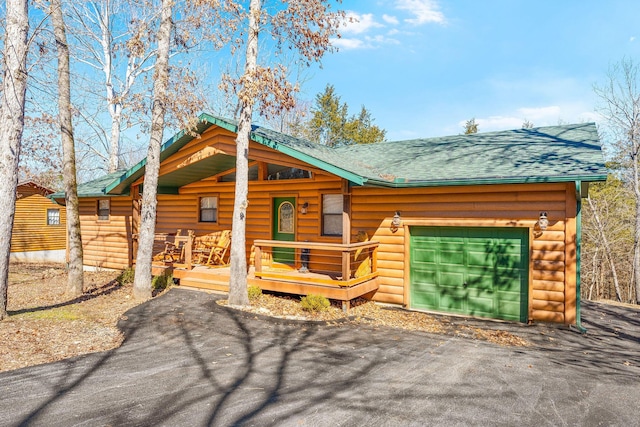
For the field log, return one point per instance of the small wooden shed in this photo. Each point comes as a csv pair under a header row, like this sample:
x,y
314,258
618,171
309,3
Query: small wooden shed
x,y
39,226
483,225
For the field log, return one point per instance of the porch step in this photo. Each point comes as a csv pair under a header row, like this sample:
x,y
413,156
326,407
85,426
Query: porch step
x,y
216,285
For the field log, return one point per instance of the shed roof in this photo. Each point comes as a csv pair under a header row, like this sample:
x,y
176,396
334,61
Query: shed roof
x,y
544,154
34,186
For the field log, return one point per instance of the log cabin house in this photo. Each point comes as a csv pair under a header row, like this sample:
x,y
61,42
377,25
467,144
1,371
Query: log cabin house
x,y
484,225
39,226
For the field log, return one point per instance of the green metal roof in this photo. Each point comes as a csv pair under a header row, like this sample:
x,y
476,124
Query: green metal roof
x,y
545,154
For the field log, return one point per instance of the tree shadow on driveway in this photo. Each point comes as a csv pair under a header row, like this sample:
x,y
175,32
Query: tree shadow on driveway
x,y
188,361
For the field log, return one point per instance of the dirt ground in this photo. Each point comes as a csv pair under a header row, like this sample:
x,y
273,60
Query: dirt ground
x,y
45,325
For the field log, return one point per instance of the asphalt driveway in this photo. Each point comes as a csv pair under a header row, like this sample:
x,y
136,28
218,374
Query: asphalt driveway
x,y
188,362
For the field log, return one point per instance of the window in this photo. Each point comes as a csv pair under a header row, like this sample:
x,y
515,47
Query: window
x,y
53,216
286,218
208,209
104,209
332,206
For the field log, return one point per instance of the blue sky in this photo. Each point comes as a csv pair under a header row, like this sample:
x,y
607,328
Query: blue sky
x,y
424,67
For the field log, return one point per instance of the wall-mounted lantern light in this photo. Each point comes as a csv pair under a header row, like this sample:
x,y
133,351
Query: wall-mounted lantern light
x,y
543,221
304,207
396,222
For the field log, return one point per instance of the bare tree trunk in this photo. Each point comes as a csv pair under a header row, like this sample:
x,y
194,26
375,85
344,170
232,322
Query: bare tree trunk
x,y
114,107
14,86
75,280
142,280
114,144
594,269
636,240
607,249
238,281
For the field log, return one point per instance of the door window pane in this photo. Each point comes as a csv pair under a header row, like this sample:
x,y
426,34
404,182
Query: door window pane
x,y
286,219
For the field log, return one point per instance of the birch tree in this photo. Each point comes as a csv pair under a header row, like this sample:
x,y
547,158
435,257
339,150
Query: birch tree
x,y
305,27
14,85
75,281
142,280
620,107
115,47
109,38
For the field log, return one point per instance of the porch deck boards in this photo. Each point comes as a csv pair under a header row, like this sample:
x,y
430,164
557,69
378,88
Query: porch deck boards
x,y
218,279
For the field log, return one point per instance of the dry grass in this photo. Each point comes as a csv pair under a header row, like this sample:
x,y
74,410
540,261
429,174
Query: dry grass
x,y
45,325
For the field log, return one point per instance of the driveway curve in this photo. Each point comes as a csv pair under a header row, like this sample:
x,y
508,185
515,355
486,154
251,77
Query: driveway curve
x,y
187,361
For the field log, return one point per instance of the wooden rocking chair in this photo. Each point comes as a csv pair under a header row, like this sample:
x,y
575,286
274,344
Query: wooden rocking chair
x,y
173,250
212,249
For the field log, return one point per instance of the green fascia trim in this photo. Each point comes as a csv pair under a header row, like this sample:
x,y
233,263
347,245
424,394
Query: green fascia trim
x,y
402,183
578,254
176,142
225,124
285,149
182,138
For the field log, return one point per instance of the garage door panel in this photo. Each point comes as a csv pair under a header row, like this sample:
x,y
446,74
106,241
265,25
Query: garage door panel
x,y
452,301
451,257
426,256
479,306
478,271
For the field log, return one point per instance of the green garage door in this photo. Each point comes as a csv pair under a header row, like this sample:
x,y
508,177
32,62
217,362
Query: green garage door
x,y
474,271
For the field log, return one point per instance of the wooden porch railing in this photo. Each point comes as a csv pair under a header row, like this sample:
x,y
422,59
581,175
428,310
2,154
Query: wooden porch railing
x,y
340,264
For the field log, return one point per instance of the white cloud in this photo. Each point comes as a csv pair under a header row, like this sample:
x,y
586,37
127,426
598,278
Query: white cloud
x,y
632,39
390,19
356,23
424,11
344,43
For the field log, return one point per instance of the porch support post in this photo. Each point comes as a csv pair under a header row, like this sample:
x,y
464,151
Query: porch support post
x,y
257,259
263,172
188,249
346,212
346,229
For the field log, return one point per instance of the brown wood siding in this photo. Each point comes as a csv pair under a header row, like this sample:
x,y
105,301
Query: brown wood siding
x,y
30,229
107,244
551,293
259,212
495,205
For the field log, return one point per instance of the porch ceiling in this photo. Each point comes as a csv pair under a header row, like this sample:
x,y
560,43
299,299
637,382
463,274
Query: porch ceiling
x,y
210,166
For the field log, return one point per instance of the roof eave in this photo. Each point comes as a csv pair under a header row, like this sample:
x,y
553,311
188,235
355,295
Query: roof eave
x,y
137,170
403,183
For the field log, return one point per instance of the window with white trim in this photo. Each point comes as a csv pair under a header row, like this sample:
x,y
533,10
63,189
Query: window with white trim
x,y
208,209
53,216
332,207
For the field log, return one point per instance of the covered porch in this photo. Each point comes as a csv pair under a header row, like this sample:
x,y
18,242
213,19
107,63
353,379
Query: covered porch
x,y
340,272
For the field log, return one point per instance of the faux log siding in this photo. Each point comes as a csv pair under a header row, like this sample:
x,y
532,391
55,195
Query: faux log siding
x,y
372,210
259,212
30,229
107,244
